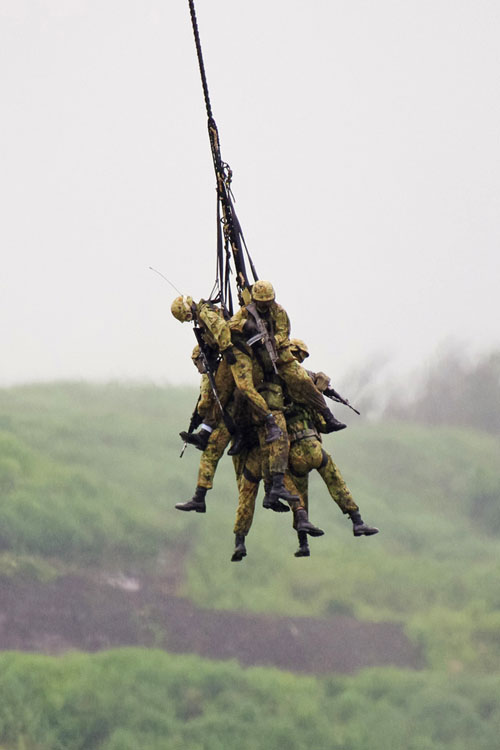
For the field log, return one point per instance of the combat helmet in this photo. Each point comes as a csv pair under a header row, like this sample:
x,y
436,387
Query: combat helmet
x,y
263,291
181,308
299,347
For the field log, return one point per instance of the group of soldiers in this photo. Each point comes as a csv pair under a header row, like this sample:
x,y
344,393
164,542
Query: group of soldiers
x,y
256,395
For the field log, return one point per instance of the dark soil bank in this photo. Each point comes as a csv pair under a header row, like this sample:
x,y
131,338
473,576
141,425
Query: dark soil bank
x,y
78,613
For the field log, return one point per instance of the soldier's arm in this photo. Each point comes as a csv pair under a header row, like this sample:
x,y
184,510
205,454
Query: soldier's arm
x,y
282,328
216,326
238,320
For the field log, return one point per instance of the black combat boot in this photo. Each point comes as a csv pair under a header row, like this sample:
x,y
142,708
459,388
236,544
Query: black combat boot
x,y
198,439
273,503
238,444
302,523
196,503
240,550
303,550
359,527
332,423
273,432
278,489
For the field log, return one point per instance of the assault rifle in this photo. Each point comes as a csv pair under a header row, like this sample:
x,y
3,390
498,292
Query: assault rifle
x,y
263,335
209,371
332,393
194,422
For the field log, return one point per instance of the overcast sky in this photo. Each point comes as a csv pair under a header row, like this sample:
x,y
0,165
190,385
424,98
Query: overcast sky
x,y
364,141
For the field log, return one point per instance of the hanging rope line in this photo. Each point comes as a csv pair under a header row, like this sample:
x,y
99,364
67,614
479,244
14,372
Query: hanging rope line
x,y
230,240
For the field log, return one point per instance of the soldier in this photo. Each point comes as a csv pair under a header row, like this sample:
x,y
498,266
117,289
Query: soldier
x,y
307,453
300,351
248,469
266,324
232,369
217,443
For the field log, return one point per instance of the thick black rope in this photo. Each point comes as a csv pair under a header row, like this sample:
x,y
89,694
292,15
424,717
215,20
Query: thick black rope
x,y
233,235
200,59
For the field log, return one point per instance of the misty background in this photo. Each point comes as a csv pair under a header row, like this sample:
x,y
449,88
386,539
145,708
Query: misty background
x,y
364,143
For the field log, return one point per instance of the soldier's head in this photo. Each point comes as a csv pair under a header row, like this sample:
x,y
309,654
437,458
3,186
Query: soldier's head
x,y
197,359
182,308
299,349
263,295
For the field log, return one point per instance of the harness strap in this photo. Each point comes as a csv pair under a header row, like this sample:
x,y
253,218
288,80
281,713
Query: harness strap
x,y
249,476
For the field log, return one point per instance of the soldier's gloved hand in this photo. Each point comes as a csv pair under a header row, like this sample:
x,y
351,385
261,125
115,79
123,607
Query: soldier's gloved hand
x,y
322,381
228,355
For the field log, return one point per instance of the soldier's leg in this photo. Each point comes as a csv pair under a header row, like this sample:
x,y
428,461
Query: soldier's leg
x,y
335,483
217,443
275,460
249,474
242,373
299,470
301,522
342,495
303,390
224,385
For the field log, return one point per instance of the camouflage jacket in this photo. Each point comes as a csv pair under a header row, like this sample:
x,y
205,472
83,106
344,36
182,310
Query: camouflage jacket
x,y
215,329
276,320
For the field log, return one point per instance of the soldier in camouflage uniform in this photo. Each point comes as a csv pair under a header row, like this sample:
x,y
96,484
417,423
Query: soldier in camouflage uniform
x,y
248,469
260,459
231,370
217,443
260,334
307,453
245,326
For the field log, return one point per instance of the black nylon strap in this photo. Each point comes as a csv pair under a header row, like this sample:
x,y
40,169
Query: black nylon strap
x,y
249,476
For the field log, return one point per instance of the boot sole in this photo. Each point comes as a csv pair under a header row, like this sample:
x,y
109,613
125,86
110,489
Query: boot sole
x,y
288,498
189,510
281,508
300,553
313,532
365,533
238,556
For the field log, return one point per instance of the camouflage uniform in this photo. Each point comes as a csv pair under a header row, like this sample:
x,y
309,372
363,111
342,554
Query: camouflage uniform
x,y
247,466
217,444
217,336
307,453
248,469
277,322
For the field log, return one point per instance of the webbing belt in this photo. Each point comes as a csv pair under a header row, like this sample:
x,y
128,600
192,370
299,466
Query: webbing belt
x,y
302,434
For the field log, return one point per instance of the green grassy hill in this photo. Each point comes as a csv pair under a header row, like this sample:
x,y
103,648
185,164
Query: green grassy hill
x,y
89,476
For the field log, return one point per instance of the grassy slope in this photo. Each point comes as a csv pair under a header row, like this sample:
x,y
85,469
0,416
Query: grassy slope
x,y
130,699
89,476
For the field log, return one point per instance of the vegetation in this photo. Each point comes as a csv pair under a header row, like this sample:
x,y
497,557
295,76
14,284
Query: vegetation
x,y
89,476
126,699
455,391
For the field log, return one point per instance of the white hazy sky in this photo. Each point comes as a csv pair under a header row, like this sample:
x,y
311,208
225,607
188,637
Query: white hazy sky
x,y
364,138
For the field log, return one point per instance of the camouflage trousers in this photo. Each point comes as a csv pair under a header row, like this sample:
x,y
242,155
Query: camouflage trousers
x,y
308,454
274,455
300,386
217,443
248,468
208,408
243,374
